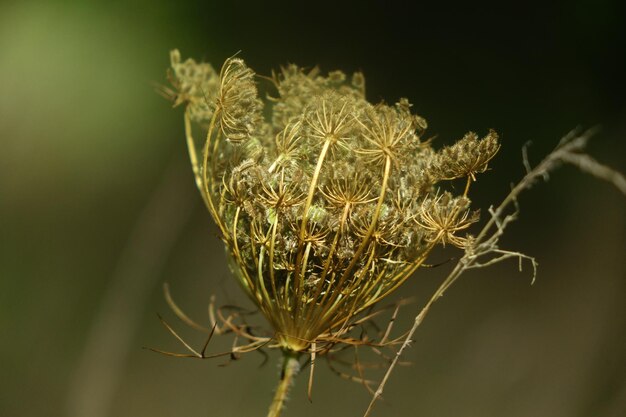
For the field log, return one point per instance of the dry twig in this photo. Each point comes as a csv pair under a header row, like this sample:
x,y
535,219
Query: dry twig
x,y
484,251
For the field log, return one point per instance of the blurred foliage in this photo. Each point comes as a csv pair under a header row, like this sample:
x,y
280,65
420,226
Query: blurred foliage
x,y
85,141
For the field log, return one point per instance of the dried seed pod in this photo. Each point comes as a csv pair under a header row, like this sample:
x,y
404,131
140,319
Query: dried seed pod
x,y
238,106
466,157
444,216
196,84
328,207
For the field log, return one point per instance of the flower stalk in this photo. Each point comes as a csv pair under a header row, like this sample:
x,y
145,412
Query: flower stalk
x,y
289,370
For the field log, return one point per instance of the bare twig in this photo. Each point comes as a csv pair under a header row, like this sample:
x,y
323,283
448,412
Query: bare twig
x,y
589,165
484,251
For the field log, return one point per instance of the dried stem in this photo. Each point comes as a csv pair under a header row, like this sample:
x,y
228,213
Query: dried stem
x,y
485,245
290,368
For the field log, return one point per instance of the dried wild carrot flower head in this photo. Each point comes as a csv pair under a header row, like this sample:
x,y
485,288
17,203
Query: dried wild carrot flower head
x,y
326,203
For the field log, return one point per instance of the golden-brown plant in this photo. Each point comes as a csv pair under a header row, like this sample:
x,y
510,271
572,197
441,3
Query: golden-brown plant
x,y
326,206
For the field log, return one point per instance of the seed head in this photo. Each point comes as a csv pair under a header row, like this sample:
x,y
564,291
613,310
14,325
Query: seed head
x,y
237,103
443,216
329,205
196,84
466,157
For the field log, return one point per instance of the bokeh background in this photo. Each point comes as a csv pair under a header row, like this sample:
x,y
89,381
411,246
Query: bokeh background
x,y
98,207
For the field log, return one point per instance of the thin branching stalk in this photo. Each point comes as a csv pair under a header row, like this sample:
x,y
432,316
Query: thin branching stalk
x,y
484,251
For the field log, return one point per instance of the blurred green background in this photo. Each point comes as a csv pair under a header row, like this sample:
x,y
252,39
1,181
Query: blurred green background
x,y
98,206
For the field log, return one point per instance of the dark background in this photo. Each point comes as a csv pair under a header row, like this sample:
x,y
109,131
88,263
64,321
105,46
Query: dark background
x,y
98,206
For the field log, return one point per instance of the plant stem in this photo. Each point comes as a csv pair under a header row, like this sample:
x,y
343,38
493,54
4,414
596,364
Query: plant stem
x,y
570,150
290,368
